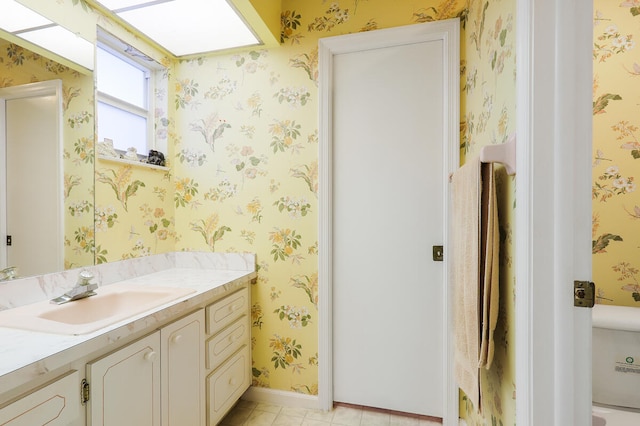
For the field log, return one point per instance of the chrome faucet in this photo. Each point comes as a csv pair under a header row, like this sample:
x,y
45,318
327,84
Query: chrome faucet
x,y
84,288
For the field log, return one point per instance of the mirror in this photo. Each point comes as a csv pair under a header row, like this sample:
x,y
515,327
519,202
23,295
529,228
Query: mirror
x,y
21,66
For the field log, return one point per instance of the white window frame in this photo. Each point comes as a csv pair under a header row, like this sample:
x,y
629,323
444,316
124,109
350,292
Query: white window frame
x,y
149,90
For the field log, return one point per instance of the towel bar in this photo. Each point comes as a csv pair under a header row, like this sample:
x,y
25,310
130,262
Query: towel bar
x,y
503,153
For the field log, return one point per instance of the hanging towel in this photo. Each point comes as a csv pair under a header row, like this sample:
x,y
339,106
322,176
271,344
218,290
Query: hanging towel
x,y
475,273
489,283
466,278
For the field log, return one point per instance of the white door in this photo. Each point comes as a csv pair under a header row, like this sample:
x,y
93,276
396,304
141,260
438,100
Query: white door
x,y
390,137
32,156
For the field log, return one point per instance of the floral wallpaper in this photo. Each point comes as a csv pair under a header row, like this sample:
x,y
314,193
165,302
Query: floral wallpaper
x,y
616,153
246,169
488,88
242,150
19,65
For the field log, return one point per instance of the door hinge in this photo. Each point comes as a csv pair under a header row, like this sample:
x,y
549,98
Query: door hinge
x,y
9,240
438,253
584,294
85,391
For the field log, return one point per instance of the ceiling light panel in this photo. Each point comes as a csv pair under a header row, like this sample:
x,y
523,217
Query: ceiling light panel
x,y
186,27
16,17
64,43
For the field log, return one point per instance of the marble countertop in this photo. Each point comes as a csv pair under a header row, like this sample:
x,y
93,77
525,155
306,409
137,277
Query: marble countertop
x,y
25,355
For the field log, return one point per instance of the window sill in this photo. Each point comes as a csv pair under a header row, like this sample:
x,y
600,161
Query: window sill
x,y
131,162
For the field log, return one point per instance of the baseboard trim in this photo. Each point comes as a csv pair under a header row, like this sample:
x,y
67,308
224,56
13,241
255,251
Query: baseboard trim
x,y
279,397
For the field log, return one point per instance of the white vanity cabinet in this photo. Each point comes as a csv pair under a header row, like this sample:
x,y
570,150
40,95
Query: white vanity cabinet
x,y
154,381
55,403
228,353
185,364
164,378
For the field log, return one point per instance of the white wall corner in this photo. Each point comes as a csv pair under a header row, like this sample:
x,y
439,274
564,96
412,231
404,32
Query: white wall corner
x,y
554,72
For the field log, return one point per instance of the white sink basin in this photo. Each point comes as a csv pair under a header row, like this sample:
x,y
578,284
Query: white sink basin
x,y
112,304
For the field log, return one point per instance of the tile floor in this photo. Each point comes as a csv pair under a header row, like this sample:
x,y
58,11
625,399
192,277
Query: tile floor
x,y
247,413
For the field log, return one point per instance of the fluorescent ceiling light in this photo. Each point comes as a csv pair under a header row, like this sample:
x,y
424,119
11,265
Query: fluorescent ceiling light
x,y
28,25
64,43
16,17
186,27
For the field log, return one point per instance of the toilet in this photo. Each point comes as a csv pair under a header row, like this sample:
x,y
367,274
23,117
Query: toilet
x,y
616,365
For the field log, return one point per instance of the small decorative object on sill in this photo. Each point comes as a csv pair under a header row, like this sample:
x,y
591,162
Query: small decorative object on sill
x,y
105,148
131,154
10,273
156,158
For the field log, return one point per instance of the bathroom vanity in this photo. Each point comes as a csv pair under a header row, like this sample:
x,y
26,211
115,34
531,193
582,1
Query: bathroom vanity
x,y
185,362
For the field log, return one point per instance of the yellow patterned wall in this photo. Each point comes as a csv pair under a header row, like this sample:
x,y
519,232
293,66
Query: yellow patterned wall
x,y
488,114
21,66
247,160
616,153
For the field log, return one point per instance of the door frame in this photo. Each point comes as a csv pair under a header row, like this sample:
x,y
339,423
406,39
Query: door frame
x,y
448,31
553,217
29,90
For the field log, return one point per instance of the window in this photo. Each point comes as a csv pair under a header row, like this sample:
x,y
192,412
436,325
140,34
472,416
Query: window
x,y
124,112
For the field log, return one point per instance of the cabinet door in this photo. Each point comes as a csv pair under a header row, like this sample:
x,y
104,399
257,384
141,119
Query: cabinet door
x,y
125,385
182,371
57,403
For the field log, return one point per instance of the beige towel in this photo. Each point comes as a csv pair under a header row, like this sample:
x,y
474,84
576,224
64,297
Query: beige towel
x,y
475,273
489,283
466,277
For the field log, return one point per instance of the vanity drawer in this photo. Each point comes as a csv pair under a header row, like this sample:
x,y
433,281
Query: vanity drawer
x,y
225,311
225,343
227,384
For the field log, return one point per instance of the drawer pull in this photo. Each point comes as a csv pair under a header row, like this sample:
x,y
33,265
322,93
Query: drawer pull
x,y
233,338
233,381
150,356
235,307
176,339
